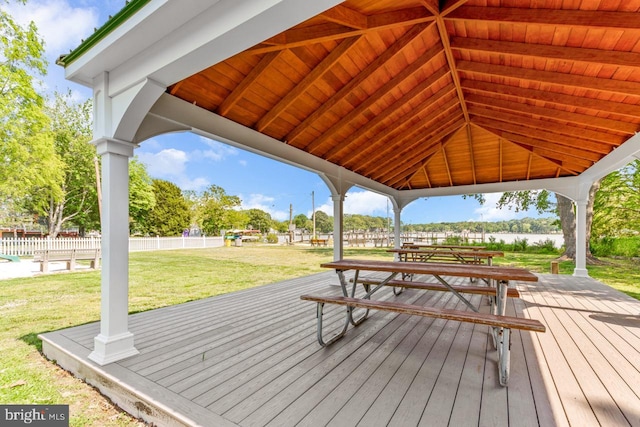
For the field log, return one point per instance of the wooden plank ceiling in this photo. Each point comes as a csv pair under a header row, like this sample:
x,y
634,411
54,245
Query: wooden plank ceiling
x,y
424,94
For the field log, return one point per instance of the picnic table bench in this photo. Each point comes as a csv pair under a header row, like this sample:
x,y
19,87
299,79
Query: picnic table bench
x,y
70,256
319,242
500,324
448,255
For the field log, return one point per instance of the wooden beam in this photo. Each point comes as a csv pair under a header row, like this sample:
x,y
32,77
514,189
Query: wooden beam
x,y
563,53
412,154
244,85
345,16
597,105
383,90
471,157
444,37
590,19
446,164
386,56
327,31
380,146
421,157
488,118
556,115
561,79
558,128
538,146
308,80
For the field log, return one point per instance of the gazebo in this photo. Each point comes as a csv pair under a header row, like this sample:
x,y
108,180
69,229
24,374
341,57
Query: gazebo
x,y
406,98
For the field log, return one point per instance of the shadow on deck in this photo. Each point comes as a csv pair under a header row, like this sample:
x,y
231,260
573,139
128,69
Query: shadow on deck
x,y
251,359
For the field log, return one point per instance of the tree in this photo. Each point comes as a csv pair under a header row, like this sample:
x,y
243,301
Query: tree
x,y
170,216
27,157
73,198
523,200
302,222
617,204
324,223
215,210
259,220
142,198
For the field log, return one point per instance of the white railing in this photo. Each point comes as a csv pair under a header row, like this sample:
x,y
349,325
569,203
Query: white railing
x,y
26,247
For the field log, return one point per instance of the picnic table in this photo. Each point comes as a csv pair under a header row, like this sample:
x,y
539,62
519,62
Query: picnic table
x,y
500,324
449,255
412,245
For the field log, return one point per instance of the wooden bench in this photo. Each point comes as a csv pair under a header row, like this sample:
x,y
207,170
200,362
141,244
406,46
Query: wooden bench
x,y
319,242
501,325
425,286
70,256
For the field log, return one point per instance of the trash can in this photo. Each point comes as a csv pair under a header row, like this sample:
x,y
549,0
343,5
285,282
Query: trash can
x,y
239,241
227,242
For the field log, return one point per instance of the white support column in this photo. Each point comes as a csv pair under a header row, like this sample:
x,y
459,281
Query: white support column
x,y
581,239
338,226
114,342
397,227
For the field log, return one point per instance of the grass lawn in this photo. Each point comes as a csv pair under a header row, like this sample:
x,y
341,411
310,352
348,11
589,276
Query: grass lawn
x,y
30,306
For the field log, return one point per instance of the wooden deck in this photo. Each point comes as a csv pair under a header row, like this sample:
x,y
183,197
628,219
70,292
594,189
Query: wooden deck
x,y
251,359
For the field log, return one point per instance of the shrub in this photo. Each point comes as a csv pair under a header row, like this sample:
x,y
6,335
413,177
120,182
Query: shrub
x,y
272,238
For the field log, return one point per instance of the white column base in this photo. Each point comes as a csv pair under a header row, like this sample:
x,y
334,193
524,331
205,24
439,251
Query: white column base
x,y
112,349
580,272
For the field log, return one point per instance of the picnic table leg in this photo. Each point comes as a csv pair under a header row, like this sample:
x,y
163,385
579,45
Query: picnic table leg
x,y
345,292
504,355
339,335
499,307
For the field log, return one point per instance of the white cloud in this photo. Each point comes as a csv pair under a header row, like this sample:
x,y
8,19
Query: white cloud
x,y
489,211
61,25
358,202
217,150
171,164
366,203
264,203
166,163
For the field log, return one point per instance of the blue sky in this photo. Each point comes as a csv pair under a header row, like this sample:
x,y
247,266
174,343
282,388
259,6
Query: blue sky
x,y
195,163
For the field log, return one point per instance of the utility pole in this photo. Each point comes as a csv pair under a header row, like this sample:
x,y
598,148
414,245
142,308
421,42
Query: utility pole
x,y
291,224
313,213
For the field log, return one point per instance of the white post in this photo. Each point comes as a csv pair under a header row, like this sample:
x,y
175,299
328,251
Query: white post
x,y
114,342
397,228
581,239
338,226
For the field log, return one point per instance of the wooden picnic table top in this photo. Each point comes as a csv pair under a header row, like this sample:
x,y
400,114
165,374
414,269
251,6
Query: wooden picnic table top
x,y
440,269
451,247
482,254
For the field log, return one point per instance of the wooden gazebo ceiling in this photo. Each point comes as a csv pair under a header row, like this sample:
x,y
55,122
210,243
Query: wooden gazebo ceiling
x,y
417,95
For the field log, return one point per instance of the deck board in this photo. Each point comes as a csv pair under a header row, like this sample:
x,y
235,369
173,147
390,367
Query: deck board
x,y
251,358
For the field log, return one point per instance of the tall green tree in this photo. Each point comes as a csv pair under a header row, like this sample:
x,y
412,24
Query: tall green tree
x,y
27,156
259,220
617,204
73,198
324,223
170,216
563,207
142,198
216,211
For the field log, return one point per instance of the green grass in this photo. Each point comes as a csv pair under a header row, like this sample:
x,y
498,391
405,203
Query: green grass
x,y
30,306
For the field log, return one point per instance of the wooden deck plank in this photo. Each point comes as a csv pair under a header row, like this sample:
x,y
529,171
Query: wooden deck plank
x,y
262,363
346,405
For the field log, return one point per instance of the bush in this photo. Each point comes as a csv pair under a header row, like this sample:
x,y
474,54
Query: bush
x,y
628,247
272,238
544,247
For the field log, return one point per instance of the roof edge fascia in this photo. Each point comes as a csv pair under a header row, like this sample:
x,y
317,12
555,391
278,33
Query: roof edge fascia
x,y
130,9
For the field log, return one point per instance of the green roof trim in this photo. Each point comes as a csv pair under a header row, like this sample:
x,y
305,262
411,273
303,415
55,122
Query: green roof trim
x,y
130,9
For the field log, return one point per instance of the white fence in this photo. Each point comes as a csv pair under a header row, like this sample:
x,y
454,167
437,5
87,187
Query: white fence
x,y
26,247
